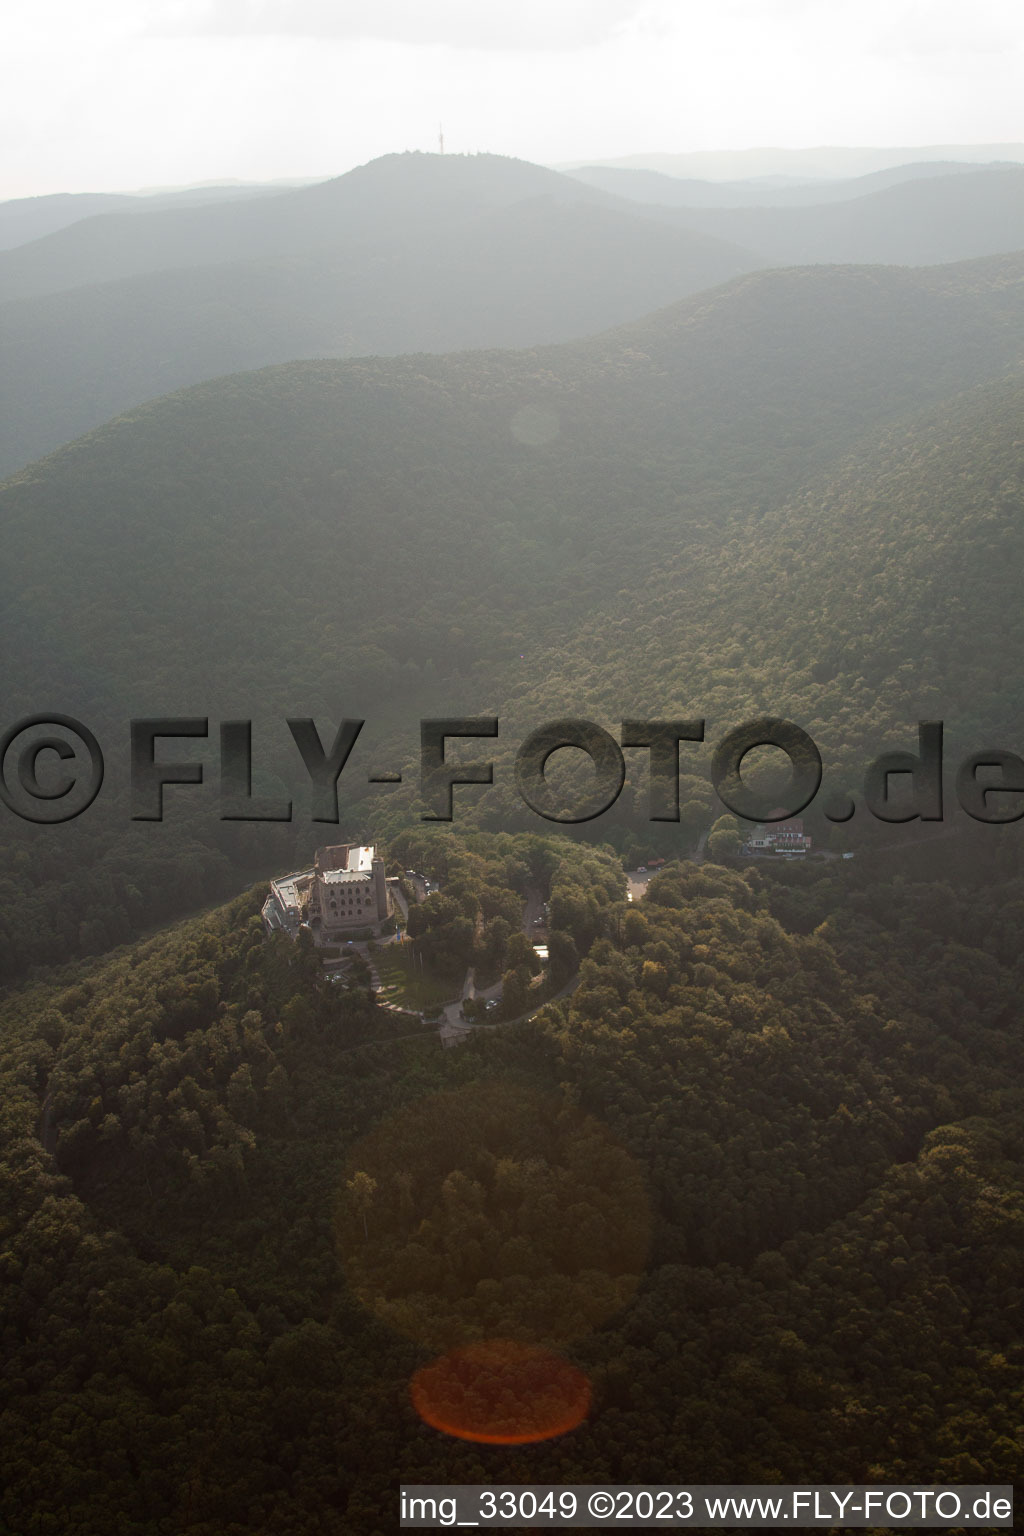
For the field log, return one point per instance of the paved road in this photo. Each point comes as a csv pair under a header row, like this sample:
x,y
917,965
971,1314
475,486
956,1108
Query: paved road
x,y
533,909
453,1030
453,1011
570,986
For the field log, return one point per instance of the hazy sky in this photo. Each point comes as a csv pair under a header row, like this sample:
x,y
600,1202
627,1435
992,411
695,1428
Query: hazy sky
x,y
112,94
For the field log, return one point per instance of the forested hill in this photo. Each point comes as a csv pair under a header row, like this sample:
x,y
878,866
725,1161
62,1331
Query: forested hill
x,y
23,219
859,607
946,218
31,218
418,252
412,197
677,191
403,197
467,491
414,253
648,520
760,1178
534,271
751,1156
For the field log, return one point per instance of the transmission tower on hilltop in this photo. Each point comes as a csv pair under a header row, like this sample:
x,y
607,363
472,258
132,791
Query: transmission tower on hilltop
x,y
440,139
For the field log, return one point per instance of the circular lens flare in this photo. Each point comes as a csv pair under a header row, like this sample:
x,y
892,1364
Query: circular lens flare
x,y
501,1393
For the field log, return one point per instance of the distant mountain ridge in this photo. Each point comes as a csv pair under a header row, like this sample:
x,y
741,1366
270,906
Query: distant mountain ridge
x,y
806,164
517,275
918,222
419,252
398,196
602,525
31,218
748,1145
646,186
731,400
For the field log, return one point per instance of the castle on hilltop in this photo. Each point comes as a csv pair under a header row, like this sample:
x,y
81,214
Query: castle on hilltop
x,y
343,892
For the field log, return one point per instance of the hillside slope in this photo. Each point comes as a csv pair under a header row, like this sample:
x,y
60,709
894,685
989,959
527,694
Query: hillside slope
x,y
824,161
884,594
533,272
25,219
920,222
242,494
398,197
763,1187
644,186
605,526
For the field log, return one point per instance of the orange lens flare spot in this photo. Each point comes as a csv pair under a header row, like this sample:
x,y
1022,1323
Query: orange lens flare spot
x,y
501,1393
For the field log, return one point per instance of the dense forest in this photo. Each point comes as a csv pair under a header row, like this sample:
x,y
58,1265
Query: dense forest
x,y
759,1178
418,253
505,276
728,1184
745,436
